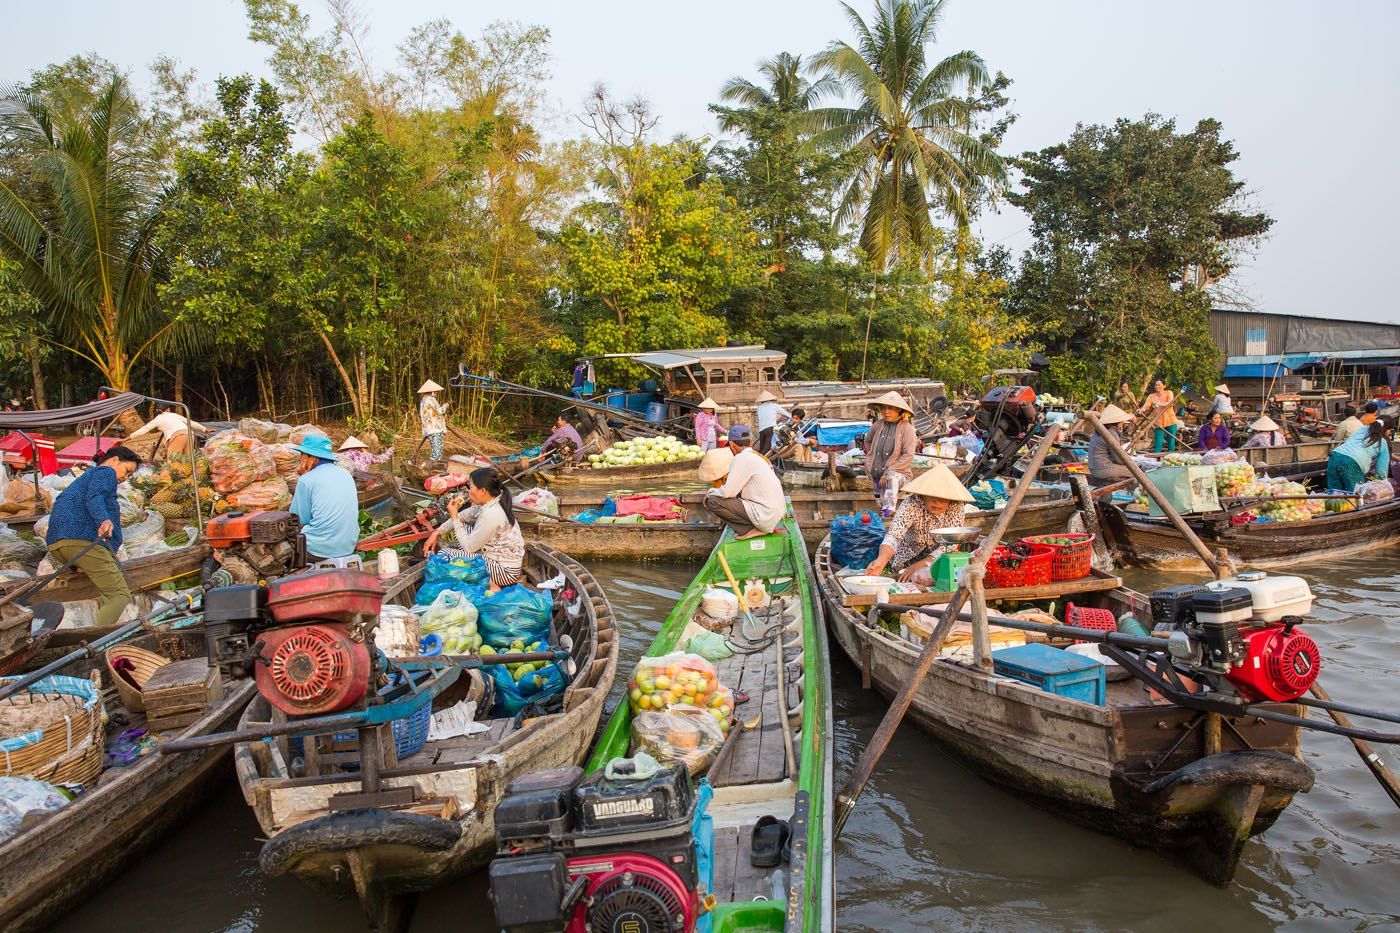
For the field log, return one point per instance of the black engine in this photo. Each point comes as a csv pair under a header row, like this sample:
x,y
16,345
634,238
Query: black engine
x,y
1005,418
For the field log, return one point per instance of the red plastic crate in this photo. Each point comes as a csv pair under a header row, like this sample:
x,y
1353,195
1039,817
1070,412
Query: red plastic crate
x,y
1034,570
1070,561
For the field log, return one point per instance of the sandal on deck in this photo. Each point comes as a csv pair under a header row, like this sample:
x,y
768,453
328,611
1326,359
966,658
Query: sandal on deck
x,y
769,836
740,697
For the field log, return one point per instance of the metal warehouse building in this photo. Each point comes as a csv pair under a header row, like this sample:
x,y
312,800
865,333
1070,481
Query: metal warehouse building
x,y
1291,353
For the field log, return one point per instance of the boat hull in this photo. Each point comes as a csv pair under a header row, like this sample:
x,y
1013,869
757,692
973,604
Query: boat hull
x,y
1093,764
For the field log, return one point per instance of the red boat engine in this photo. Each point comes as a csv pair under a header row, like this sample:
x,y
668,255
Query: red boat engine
x,y
316,657
594,855
1280,663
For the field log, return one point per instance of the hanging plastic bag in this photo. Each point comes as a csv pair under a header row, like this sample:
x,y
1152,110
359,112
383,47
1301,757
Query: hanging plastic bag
x,y
683,733
516,613
464,574
530,683
855,539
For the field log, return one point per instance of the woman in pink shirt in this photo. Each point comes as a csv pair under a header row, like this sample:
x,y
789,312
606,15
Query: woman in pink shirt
x,y
707,426
1161,404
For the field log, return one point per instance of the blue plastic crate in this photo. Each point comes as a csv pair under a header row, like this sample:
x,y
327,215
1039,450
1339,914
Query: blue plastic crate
x,y
1072,676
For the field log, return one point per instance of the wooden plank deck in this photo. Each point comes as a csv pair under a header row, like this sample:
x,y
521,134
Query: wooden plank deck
x,y
735,878
758,755
461,748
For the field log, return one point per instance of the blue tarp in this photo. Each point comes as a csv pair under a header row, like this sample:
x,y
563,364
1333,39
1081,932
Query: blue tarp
x,y
840,433
1255,370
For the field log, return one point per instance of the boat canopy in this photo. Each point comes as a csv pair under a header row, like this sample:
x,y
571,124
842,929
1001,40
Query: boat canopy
x,y
100,410
675,359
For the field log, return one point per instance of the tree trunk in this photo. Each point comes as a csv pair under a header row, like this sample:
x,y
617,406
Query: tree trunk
x,y
340,368
180,381
36,370
361,385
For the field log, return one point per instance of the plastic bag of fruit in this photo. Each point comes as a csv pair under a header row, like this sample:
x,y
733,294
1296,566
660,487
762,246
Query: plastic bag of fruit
x,y
683,733
270,493
516,613
1375,492
238,461
1232,478
465,574
672,679
452,618
520,684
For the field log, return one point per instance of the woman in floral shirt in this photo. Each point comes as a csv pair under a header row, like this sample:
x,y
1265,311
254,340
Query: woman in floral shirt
x,y
935,499
433,415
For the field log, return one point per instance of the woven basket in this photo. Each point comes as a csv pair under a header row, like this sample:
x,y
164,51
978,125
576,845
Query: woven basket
x,y
145,662
53,731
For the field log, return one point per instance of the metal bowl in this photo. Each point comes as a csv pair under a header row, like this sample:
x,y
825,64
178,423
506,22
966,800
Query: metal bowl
x,y
957,534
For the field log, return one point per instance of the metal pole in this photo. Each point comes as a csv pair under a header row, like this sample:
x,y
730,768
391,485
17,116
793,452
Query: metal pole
x,y
865,767
189,430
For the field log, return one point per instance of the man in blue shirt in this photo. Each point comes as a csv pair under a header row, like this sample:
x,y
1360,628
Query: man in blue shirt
x,y
85,513
325,502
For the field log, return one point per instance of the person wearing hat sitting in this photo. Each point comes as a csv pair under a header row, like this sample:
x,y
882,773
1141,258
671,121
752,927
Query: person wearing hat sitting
x,y
325,501
750,500
1104,466
890,445
433,416
766,417
356,455
1221,404
935,499
1266,434
707,426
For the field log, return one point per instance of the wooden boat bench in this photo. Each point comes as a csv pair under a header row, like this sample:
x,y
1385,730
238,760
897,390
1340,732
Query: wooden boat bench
x,y
1096,582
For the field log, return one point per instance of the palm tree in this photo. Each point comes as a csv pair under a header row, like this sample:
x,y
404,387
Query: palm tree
x,y
786,88
80,199
913,138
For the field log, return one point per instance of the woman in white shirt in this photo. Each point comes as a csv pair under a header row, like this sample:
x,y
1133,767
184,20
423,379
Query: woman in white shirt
x,y
487,528
174,429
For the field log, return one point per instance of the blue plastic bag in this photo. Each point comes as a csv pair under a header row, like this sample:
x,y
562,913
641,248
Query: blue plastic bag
x,y
516,613
465,574
855,539
989,494
537,686
588,516
609,506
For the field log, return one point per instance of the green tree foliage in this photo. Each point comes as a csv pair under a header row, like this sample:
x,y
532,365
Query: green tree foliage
x,y
1133,223
912,129
23,337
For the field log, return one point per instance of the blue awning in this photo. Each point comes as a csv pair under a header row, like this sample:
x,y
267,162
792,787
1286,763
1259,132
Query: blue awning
x,y
1255,370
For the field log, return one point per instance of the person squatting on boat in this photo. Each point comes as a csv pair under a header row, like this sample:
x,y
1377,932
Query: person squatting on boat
x,y
766,417
890,445
935,499
1266,434
748,496
325,502
707,426
487,528
1365,453
433,416
85,513
1104,467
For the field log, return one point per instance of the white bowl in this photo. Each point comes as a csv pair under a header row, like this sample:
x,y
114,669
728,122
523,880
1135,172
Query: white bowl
x,y
867,585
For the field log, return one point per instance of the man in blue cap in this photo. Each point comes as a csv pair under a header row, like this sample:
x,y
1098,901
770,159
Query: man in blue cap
x,y
751,498
325,501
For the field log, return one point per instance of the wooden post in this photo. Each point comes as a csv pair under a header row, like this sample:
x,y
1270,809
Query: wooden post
x,y
1167,508
981,637
846,799
1212,734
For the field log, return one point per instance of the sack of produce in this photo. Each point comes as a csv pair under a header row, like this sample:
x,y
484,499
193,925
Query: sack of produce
x,y
516,613
301,432
539,499
145,536
287,458
709,645
270,493
453,618
465,574
442,482
518,685
269,432
1230,478
1375,492
20,496
239,461
682,733
1217,457
20,796
664,681
18,552
855,539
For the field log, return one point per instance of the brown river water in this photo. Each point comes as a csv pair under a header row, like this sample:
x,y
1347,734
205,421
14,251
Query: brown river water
x,y
930,846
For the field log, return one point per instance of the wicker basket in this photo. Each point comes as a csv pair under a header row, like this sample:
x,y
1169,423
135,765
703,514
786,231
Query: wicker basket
x,y
145,664
53,731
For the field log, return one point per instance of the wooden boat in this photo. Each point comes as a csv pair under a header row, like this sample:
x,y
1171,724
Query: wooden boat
x,y
384,856
1133,768
769,770
55,862
1047,510
143,573
584,474
1147,540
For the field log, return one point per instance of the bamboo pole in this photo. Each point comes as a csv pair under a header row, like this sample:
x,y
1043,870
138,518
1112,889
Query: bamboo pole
x,y
981,636
1372,760
865,767
1167,508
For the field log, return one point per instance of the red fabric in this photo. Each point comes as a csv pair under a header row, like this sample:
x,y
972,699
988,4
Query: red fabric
x,y
651,508
87,448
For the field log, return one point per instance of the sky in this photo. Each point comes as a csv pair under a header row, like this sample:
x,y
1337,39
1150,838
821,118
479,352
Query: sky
x,y
1305,90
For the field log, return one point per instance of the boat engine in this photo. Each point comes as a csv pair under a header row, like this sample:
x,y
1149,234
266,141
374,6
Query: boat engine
x,y
254,546
1242,630
1004,418
596,855
306,639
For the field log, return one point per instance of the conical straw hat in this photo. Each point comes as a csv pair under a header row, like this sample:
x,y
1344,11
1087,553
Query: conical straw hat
x,y
938,481
1223,388
1265,423
895,400
766,396
429,386
708,403
354,443
715,464
1112,414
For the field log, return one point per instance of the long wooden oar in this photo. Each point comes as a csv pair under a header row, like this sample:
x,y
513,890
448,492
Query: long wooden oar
x,y
865,767
1384,776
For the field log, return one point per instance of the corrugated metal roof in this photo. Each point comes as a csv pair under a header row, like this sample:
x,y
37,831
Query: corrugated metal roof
x,y
672,359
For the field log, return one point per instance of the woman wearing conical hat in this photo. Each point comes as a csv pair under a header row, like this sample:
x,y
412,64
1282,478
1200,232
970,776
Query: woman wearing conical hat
x,y
890,445
433,415
355,454
935,499
1104,467
766,417
1266,434
707,426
